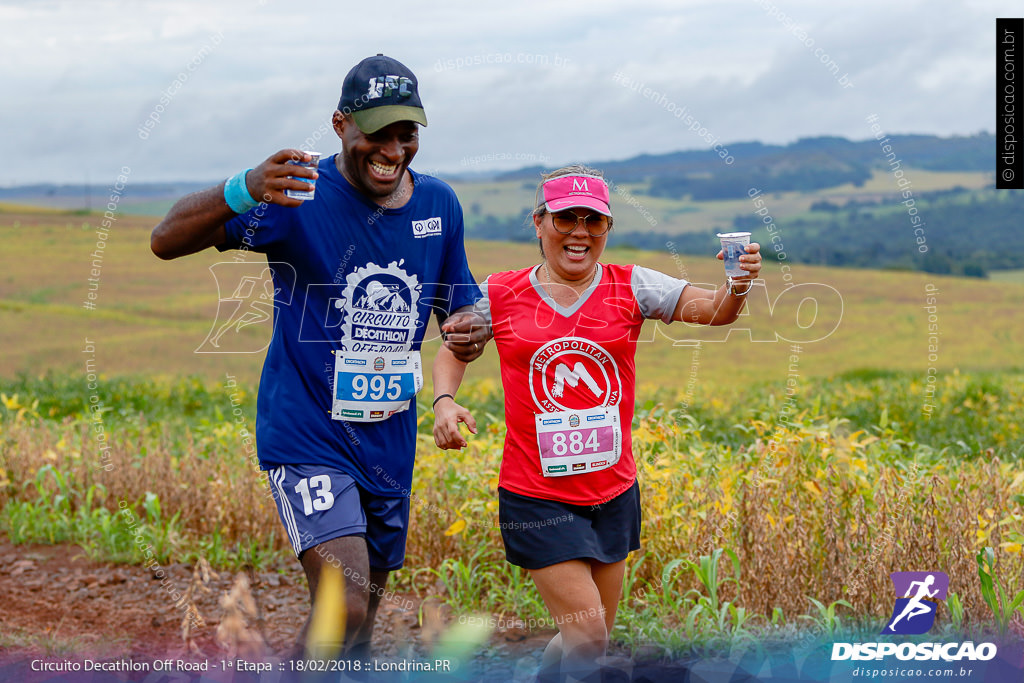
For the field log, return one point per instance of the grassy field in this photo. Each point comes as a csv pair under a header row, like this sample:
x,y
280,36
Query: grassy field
x,y
151,316
1012,276
754,525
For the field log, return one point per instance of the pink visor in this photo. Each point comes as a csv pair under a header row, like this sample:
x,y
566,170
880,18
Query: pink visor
x,y
576,191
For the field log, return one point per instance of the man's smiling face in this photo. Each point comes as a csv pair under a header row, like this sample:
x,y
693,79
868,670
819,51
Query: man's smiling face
x,y
375,163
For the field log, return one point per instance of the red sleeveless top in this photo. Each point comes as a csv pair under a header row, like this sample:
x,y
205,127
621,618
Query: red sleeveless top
x,y
555,359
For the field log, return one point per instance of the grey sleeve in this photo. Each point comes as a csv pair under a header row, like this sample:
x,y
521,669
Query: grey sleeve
x,y
656,293
483,304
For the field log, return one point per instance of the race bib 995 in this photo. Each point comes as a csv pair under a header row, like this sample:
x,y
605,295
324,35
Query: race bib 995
x,y
369,387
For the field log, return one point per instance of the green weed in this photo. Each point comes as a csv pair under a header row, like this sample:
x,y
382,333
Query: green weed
x,y
998,597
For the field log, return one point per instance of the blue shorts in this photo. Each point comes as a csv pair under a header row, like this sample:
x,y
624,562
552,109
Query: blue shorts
x,y
317,503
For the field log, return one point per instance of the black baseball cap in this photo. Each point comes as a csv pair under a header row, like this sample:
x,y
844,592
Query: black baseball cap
x,y
379,91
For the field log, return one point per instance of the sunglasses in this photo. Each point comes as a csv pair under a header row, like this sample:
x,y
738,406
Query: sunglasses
x,y
595,224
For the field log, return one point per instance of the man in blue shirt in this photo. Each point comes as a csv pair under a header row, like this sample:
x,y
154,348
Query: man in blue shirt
x,y
357,271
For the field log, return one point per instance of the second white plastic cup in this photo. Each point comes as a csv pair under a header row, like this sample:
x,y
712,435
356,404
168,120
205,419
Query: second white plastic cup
x,y
734,245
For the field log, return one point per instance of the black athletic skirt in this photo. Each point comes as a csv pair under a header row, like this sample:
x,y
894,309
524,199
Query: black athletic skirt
x,y
539,533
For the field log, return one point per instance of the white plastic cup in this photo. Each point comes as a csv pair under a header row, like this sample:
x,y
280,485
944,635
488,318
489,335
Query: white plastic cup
x,y
734,245
304,195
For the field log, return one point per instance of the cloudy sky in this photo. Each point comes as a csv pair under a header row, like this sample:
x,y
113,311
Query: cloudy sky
x,y
504,84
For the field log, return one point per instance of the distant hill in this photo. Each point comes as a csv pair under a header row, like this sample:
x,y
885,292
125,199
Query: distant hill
x,y
863,223
806,165
95,197
965,234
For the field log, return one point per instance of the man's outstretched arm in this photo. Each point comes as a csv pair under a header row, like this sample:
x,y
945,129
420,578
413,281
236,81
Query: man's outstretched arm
x,y
196,221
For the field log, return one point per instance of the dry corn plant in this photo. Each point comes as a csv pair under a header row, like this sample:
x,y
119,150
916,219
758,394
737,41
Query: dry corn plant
x,y
214,493
192,619
235,635
811,512
835,527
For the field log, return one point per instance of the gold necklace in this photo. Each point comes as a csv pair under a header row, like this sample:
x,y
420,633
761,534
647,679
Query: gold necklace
x,y
579,292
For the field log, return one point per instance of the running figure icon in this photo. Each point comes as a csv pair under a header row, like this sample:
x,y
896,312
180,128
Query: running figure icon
x,y
915,607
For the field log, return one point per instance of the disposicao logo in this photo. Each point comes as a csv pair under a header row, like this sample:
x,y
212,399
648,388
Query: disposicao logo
x,y
917,600
914,613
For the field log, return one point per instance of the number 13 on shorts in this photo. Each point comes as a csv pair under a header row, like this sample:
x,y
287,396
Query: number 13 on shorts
x,y
578,441
321,485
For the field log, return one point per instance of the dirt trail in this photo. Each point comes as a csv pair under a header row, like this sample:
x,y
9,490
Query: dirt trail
x,y
56,603
53,595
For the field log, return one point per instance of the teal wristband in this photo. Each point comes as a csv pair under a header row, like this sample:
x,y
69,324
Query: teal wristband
x,y
236,194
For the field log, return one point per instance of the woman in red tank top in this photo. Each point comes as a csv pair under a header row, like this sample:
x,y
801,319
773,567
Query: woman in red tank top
x,y
566,333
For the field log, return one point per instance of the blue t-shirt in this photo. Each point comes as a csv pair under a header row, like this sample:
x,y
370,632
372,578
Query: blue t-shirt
x,y
349,276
